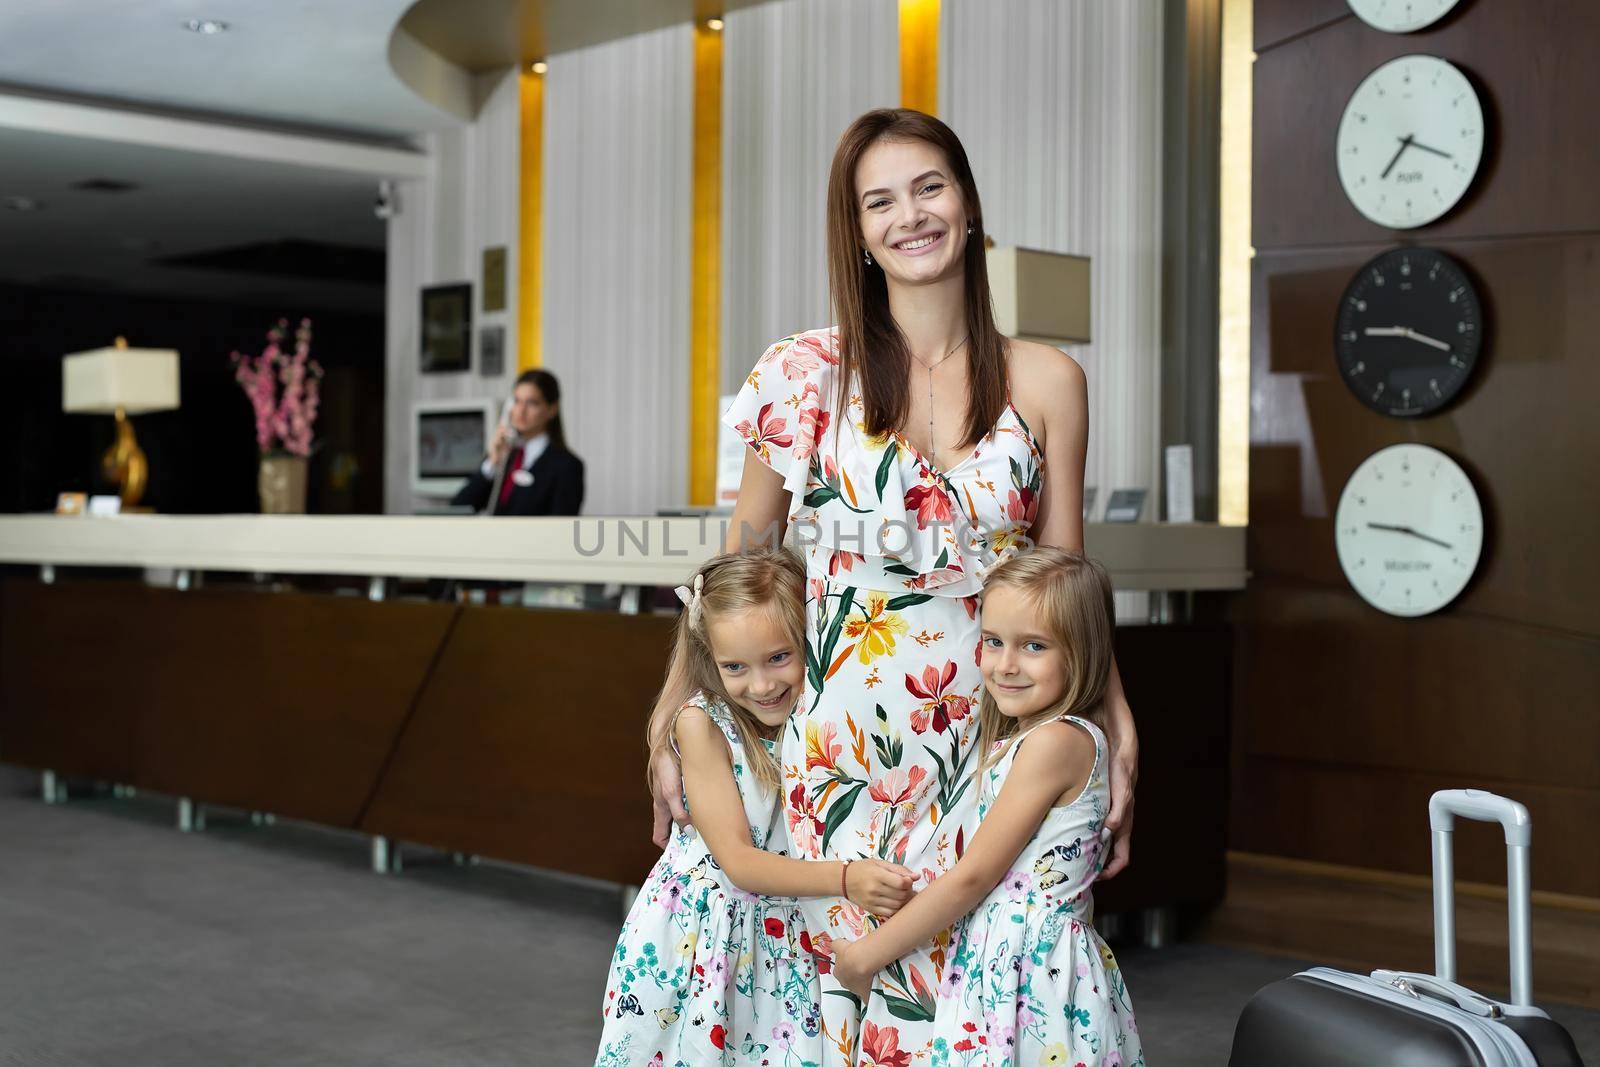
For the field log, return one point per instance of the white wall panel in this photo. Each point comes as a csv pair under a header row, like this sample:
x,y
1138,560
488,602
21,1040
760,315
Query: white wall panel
x,y
1059,105
795,74
618,152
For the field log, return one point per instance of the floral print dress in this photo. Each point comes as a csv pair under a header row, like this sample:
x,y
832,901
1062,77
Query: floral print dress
x,y
1030,980
705,973
877,758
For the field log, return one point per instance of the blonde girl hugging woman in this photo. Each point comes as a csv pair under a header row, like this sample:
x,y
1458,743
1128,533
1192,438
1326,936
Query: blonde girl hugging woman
x,y
714,965
1029,979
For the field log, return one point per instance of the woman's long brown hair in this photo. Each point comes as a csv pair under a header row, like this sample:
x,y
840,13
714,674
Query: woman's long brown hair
x,y
872,350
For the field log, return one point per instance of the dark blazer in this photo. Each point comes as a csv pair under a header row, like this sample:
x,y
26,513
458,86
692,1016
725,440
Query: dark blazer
x,y
557,487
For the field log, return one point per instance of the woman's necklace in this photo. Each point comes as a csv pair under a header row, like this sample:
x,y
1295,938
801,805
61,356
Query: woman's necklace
x,y
933,443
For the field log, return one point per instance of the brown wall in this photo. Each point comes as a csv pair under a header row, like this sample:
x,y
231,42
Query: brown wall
x,y
1347,718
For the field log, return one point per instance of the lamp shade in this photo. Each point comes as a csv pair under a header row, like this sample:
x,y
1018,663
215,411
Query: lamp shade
x,y
1040,296
136,380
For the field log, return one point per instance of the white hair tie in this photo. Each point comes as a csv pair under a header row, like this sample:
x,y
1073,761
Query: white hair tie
x,y
1004,555
691,599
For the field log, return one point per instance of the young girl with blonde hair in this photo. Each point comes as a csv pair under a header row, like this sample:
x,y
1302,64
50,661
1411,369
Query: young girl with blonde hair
x,y
1029,979
714,965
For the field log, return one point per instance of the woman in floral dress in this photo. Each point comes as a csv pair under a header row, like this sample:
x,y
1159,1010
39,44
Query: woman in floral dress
x,y
906,447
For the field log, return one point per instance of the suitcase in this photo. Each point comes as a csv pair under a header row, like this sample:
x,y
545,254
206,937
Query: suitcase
x,y
1328,1018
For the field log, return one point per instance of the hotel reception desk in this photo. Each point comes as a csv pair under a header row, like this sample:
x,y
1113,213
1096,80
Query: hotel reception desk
x,y
217,660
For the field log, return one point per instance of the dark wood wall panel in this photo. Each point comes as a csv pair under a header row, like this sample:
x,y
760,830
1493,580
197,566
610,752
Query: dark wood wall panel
x,y
1534,69
1346,718
1530,449
528,743
1278,20
1451,695
1367,817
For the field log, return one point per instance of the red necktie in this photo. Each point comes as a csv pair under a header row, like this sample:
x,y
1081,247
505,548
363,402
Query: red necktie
x,y
513,464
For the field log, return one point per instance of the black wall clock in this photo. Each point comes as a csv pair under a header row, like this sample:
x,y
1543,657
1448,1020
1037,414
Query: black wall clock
x,y
1409,330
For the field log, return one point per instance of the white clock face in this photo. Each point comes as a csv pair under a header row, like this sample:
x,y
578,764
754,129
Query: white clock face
x,y
1410,141
1409,529
1401,16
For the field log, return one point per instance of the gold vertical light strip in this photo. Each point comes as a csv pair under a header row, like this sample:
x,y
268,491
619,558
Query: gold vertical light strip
x,y
1233,260
705,266
919,55
530,243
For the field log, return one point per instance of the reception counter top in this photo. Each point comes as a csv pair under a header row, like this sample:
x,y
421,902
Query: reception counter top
x,y
623,550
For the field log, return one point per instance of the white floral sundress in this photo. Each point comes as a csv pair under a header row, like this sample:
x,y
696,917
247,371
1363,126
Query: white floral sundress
x,y
1030,980
705,973
877,758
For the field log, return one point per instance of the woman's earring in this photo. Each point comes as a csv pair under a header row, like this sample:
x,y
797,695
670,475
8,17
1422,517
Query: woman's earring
x,y
867,254
969,229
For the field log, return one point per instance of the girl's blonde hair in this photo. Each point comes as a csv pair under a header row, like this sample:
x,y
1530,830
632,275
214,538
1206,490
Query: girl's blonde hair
x,y
1072,594
773,579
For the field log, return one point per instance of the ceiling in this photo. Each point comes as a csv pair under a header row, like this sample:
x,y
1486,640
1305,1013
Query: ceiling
x,y
186,202
317,67
481,35
309,64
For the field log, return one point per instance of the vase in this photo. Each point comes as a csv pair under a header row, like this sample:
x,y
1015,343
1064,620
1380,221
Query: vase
x,y
282,483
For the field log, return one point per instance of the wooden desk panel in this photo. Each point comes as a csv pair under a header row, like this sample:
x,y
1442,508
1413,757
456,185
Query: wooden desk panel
x,y
275,702
508,733
528,743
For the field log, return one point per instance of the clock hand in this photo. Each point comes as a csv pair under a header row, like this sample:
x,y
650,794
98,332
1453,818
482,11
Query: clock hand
x,y
1408,531
1405,143
1385,331
1424,338
1435,151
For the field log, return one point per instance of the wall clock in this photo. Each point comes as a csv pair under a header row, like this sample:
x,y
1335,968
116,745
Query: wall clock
x,y
1410,141
1401,16
1408,332
1409,530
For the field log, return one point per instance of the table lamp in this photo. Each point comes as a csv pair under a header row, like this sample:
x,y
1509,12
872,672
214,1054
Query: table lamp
x,y
121,381
1040,296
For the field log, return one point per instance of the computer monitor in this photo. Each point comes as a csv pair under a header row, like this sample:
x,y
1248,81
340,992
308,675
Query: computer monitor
x,y
449,439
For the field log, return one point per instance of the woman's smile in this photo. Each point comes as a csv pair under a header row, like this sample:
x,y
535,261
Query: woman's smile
x,y
921,245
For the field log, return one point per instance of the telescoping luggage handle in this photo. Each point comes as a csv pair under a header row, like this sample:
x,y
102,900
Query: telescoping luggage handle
x,y
1483,806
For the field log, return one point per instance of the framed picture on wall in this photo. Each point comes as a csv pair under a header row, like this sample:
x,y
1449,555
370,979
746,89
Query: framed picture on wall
x,y
491,351
446,328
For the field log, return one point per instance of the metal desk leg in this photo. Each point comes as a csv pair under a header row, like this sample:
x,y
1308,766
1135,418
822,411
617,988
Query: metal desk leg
x,y
385,855
1156,926
191,816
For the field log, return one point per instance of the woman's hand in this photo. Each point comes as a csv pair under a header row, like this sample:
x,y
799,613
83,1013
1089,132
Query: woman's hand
x,y
669,807
500,447
879,886
848,969
1119,820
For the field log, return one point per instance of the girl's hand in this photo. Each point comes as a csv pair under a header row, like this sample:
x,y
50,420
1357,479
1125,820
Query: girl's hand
x,y
847,968
1119,820
879,886
669,807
